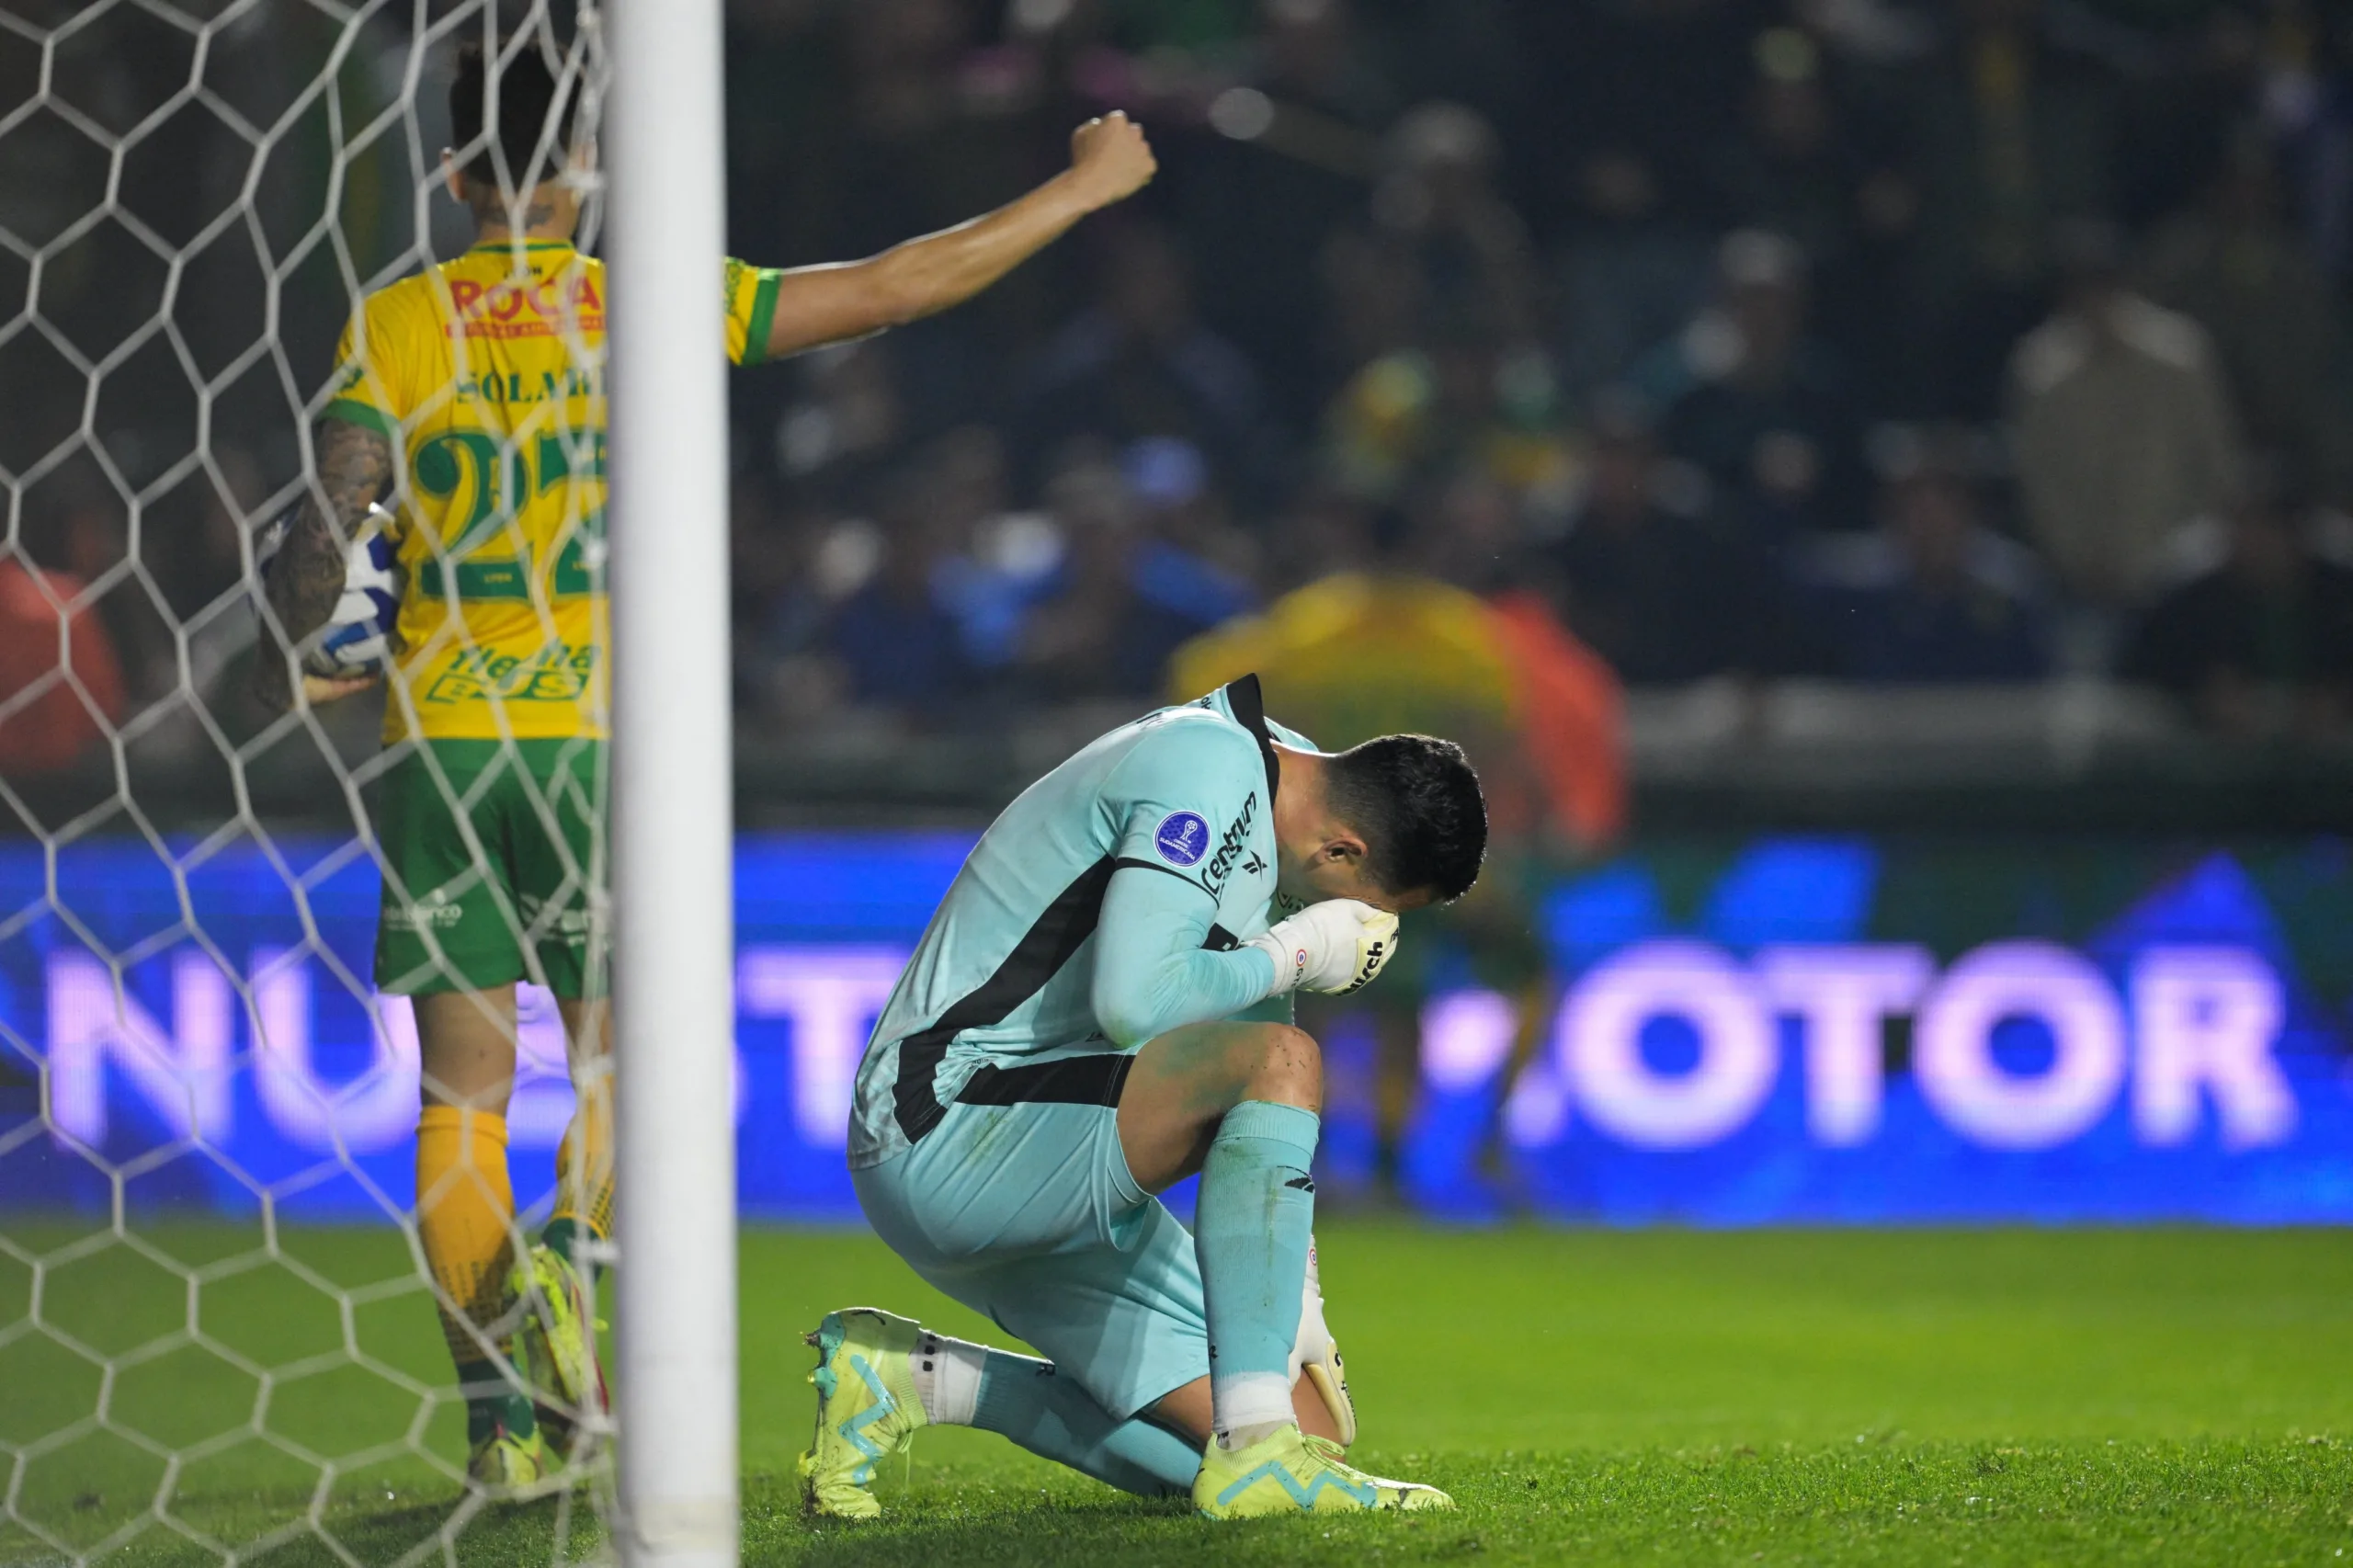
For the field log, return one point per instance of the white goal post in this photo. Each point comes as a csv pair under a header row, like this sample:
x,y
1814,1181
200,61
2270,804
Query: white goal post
x,y
672,794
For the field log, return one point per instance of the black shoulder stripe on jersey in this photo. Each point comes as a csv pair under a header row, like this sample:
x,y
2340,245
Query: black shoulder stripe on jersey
x,y
1249,705
1125,861
1058,931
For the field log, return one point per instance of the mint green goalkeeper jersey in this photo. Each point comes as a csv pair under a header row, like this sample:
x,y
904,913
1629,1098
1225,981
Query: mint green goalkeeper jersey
x,y
1105,906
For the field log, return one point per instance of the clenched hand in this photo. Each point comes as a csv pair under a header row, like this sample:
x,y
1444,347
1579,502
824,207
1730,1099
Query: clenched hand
x,y
1111,158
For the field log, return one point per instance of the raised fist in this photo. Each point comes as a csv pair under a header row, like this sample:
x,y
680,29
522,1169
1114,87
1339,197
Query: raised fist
x,y
1111,158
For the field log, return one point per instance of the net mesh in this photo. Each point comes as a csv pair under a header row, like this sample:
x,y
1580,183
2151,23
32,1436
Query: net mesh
x,y
218,1336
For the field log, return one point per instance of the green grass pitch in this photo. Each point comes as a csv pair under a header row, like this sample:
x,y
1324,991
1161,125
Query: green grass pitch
x,y
1661,1397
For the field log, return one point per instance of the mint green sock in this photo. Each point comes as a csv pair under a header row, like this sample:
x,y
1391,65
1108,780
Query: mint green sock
x,y
1250,1229
1029,1400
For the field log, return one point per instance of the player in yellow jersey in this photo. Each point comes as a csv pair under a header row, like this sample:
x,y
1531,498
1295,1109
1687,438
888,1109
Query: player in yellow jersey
x,y
470,401
1358,655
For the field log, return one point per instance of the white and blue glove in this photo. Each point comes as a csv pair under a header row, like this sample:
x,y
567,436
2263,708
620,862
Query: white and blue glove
x,y
1333,948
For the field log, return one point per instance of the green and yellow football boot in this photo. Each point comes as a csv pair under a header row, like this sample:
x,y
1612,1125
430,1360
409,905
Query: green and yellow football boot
x,y
1286,1473
556,1346
866,1408
505,1465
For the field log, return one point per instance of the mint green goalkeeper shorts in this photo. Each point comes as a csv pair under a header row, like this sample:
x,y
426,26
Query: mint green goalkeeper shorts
x,y
491,848
1027,1214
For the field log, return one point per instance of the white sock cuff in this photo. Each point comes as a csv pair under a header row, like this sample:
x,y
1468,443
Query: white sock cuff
x,y
948,1377
1239,1400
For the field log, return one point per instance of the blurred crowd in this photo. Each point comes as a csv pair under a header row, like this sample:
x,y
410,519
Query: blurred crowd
x,y
1981,341
1893,341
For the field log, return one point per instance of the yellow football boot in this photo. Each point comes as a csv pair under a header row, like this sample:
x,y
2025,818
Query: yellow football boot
x,y
1287,1472
557,1346
504,1463
866,1408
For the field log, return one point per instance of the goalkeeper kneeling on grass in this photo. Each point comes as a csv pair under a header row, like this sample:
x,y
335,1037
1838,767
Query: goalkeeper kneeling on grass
x,y
470,399
1099,1008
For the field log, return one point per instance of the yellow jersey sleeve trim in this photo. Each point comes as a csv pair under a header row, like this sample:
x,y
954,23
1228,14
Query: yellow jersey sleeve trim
x,y
351,411
756,335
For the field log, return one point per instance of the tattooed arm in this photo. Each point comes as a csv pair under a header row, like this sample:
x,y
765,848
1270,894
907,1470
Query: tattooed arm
x,y
306,581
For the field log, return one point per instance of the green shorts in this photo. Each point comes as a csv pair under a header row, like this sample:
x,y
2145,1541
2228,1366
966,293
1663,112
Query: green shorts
x,y
489,867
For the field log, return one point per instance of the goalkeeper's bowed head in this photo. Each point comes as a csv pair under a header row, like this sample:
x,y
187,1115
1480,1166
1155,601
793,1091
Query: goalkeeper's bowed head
x,y
1398,822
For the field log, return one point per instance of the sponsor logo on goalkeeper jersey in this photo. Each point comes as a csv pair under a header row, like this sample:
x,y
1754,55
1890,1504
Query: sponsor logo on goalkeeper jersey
x,y
1182,838
1230,846
558,673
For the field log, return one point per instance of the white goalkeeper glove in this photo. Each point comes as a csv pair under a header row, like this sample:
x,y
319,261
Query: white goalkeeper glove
x,y
1333,947
1318,1354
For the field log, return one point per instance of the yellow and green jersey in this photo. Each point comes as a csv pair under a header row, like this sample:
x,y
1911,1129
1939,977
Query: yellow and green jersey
x,y
488,374
1355,656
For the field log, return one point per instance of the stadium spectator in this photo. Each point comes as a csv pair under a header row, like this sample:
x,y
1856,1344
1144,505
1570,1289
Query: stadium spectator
x,y
1324,529
2262,642
2303,89
1314,54
1934,596
913,149
1628,274
2232,263
1000,560
1443,258
1761,403
61,683
83,531
1374,302
897,645
2011,133
1121,601
1139,363
785,595
849,425
1789,170
1805,165
1440,196
2124,428
1641,575
1468,397
784,77
1179,505
1314,100
1659,79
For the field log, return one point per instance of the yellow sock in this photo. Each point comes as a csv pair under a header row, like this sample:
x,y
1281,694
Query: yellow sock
x,y
465,1216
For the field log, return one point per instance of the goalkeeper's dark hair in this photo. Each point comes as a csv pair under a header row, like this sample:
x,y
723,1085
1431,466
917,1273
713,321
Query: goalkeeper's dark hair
x,y
531,100
1415,800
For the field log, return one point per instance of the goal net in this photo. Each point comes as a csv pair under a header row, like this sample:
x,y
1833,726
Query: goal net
x,y
223,1333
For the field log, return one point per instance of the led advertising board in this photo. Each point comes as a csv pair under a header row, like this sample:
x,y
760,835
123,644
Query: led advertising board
x,y
1769,1030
